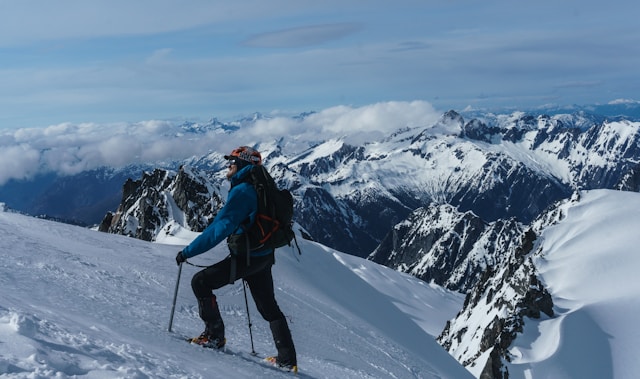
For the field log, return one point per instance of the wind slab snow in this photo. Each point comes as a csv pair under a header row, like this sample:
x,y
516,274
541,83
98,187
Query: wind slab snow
x,y
590,263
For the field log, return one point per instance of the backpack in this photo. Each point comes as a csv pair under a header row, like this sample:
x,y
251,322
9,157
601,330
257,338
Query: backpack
x,y
273,226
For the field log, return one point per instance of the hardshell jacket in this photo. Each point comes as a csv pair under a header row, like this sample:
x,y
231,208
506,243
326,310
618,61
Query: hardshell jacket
x,y
242,205
273,224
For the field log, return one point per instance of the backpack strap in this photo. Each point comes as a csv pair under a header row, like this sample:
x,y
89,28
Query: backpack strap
x,y
234,257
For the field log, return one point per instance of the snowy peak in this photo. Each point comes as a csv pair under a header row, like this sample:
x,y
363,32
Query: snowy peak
x,y
326,159
216,126
494,312
186,199
497,166
443,245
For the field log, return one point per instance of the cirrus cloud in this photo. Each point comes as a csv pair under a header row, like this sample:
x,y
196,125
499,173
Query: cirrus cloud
x,y
302,36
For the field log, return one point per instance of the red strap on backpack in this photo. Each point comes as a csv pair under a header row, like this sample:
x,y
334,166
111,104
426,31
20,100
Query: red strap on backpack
x,y
266,234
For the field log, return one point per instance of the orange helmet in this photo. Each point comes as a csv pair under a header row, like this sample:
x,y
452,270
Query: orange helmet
x,y
246,154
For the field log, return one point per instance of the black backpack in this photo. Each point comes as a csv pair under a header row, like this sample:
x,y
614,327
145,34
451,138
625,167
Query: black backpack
x,y
273,226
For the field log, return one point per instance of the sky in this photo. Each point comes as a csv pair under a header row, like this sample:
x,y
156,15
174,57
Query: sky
x,y
122,61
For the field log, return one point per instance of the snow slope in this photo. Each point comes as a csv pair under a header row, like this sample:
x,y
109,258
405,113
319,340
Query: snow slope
x,y
590,263
79,303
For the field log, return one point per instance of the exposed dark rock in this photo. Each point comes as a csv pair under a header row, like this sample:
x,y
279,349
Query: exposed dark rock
x,y
512,292
150,203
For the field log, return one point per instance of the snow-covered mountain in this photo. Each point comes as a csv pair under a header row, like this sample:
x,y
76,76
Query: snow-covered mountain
x,y
163,200
557,148
564,304
76,303
454,249
498,167
455,200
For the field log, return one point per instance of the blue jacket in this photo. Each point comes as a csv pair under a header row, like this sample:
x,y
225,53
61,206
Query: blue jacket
x,y
242,203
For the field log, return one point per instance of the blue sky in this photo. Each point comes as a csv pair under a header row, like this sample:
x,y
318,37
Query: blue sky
x,y
128,61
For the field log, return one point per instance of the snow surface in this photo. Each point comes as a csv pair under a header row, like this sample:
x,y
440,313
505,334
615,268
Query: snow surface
x,y
78,303
590,264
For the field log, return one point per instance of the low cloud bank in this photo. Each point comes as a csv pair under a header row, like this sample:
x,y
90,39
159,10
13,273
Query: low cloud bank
x,y
69,149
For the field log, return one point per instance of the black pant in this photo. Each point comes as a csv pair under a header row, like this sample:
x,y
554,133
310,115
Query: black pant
x,y
257,275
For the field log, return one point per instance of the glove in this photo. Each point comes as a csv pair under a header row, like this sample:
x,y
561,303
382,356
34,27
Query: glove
x,y
180,258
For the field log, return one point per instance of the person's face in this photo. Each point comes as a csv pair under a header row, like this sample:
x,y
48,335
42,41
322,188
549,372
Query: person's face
x,y
233,168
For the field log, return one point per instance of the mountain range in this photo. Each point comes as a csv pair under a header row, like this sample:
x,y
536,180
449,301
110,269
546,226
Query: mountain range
x,y
498,168
461,203
79,303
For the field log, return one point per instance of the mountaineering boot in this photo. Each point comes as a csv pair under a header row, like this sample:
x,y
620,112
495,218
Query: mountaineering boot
x,y
205,341
274,361
284,343
213,335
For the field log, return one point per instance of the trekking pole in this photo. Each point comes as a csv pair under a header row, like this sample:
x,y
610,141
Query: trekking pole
x,y
175,296
246,303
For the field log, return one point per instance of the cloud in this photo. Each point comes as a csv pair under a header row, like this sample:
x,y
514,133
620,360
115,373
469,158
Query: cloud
x,y
302,36
159,55
623,101
72,148
579,84
106,61
411,45
18,162
356,125
69,148
27,21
